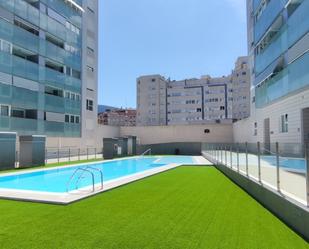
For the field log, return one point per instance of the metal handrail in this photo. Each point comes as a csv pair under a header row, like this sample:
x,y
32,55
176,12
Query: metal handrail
x,y
98,170
74,173
145,152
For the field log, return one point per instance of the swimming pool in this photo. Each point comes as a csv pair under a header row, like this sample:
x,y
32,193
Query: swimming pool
x,y
60,180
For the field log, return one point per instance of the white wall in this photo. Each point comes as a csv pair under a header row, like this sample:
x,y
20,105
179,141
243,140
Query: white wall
x,y
181,133
99,133
291,105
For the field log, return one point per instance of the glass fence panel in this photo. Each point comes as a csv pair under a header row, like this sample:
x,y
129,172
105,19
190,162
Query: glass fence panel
x,y
268,164
253,161
293,170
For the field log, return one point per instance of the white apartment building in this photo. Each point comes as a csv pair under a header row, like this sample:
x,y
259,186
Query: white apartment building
x,y
278,42
161,101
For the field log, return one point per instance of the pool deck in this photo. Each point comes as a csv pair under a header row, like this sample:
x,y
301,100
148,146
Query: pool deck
x,y
67,198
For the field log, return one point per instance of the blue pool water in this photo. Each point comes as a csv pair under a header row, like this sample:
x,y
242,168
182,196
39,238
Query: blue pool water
x,y
56,180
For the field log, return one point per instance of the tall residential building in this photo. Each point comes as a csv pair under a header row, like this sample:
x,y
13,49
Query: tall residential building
x,y
48,67
278,42
161,101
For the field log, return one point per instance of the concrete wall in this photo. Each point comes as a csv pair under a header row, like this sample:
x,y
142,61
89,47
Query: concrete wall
x,y
218,133
291,213
98,134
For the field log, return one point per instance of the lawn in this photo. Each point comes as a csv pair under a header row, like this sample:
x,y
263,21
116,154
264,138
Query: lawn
x,y
188,207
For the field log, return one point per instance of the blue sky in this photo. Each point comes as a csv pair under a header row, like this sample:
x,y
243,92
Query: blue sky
x,y
176,38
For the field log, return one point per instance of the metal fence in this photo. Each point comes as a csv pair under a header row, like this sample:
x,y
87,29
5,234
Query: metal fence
x,y
284,167
68,154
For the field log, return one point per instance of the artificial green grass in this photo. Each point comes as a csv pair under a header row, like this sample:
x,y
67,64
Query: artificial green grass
x,y
188,207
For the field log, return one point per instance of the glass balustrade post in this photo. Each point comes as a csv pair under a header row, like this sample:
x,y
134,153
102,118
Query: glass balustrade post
x,y
277,166
95,153
231,157
58,154
237,145
69,154
225,152
307,172
247,166
45,156
259,160
78,154
221,152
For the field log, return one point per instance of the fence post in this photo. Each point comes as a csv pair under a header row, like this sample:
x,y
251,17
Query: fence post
x,y
238,157
95,153
78,154
277,166
87,154
259,160
58,152
231,157
247,169
307,172
45,156
221,152
225,152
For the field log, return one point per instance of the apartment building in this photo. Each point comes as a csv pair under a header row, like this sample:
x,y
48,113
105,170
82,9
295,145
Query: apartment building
x,y
278,42
119,117
48,65
161,101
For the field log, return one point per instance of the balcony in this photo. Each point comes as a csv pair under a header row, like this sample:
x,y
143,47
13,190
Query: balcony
x,y
54,103
268,16
292,78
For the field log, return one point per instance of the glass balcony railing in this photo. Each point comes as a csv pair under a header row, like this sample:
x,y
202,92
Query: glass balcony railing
x,y
272,52
24,68
268,16
24,98
298,23
292,78
54,103
61,7
72,106
25,126
27,12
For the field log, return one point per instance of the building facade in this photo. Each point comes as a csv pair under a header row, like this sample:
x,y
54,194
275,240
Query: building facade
x,y
194,101
278,42
48,79
119,117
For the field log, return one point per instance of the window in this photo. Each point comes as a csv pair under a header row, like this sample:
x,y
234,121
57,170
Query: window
x,y
153,80
67,118
284,127
222,108
77,119
255,129
89,105
5,46
72,119
4,110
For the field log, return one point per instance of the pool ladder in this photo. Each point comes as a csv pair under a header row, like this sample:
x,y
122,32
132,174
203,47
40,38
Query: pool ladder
x,y
145,152
90,170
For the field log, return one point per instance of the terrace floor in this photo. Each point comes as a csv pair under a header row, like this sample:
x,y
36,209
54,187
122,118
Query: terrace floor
x,y
187,207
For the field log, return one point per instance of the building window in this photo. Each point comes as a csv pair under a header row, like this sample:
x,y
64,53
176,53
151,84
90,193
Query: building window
x,y
255,129
4,110
284,127
89,105
5,46
67,118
